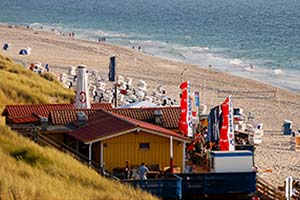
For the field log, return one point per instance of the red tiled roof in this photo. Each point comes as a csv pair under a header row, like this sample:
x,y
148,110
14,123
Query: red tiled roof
x,y
38,109
104,106
63,117
44,109
152,127
23,119
170,117
102,124
169,120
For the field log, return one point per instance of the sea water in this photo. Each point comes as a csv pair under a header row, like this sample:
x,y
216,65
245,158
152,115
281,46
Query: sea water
x,y
228,35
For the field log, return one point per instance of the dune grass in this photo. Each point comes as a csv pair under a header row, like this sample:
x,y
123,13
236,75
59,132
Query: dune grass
x,y
21,86
29,171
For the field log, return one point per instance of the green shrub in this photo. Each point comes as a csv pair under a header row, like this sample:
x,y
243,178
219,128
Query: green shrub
x,y
29,156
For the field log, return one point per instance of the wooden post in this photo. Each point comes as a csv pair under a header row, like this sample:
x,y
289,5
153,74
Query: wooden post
x,y
183,157
101,155
116,93
77,146
90,154
171,156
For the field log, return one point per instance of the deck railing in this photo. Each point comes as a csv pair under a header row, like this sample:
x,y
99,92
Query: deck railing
x,y
268,191
32,132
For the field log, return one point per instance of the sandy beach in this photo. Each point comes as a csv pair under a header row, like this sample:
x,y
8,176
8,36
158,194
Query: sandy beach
x,y
269,104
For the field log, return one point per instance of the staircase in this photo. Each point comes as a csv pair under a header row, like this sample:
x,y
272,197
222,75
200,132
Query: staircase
x,y
268,191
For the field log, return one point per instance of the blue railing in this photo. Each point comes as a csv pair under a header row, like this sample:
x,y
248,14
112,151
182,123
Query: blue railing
x,y
166,188
219,183
194,186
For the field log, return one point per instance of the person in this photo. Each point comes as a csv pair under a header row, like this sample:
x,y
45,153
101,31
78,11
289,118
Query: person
x,y
5,46
127,170
47,67
142,171
70,84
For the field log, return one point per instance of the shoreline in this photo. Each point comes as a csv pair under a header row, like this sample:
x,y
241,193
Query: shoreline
x,y
233,70
137,65
270,108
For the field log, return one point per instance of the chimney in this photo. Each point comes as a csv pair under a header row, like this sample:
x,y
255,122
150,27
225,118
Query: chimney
x,y
158,117
82,99
44,123
82,118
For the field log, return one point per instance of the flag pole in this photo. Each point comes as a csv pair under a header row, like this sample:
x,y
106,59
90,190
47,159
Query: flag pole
x,y
112,77
116,93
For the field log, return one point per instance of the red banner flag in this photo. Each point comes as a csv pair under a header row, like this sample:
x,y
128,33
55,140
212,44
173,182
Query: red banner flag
x,y
185,122
226,132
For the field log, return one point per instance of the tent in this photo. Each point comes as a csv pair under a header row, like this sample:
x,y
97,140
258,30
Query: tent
x,y
140,104
25,51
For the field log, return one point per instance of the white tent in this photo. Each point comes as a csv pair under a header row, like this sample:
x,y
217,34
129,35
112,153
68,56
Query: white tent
x,y
140,104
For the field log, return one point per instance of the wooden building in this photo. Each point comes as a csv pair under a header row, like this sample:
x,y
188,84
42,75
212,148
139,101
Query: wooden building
x,y
112,139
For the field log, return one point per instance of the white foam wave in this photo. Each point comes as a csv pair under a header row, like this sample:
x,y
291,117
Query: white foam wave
x,y
193,49
235,62
250,69
277,71
36,25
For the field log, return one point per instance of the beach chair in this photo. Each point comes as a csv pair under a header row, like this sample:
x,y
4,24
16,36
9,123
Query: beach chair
x,y
71,70
258,132
128,81
120,78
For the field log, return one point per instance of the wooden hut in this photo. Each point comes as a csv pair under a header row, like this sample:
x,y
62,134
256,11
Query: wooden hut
x,y
111,139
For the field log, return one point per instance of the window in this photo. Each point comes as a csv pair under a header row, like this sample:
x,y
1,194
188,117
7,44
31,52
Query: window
x,y
144,146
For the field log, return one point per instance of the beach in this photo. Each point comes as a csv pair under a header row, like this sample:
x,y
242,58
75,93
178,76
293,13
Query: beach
x,y
269,105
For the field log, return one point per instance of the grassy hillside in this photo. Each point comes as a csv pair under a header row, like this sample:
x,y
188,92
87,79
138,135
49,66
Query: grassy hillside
x,y
21,86
29,171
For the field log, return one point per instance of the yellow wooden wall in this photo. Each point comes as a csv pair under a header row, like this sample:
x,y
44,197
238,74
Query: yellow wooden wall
x,y
126,147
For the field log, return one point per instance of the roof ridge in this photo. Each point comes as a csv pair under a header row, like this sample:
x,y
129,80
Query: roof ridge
x,y
113,114
143,122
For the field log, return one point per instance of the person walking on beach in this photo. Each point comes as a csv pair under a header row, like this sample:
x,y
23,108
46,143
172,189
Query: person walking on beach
x,y
142,171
